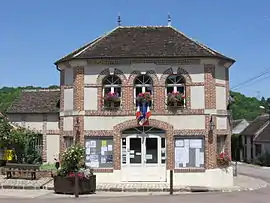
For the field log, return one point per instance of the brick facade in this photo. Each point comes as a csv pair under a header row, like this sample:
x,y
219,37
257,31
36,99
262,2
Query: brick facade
x,y
128,109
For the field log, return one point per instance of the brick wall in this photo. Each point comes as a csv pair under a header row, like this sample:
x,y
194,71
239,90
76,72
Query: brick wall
x,y
128,108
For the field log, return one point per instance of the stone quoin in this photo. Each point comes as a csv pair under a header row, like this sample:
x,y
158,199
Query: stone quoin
x,y
184,138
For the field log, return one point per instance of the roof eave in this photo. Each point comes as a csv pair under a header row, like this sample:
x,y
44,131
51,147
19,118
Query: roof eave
x,y
229,60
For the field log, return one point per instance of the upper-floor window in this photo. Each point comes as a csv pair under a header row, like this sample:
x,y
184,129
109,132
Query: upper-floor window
x,y
143,84
175,90
112,91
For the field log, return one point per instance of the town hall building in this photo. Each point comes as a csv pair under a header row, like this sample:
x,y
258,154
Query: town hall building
x,y
143,100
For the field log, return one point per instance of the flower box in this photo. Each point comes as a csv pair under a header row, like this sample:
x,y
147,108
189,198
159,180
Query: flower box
x,y
111,100
66,185
223,160
175,99
144,98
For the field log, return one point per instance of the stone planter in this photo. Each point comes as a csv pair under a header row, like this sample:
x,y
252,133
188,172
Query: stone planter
x,y
66,185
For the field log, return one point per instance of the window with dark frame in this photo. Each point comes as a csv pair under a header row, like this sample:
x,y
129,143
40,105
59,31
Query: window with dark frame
x,y
68,141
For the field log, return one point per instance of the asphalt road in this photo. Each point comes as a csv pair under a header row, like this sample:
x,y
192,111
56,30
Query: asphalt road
x,y
257,196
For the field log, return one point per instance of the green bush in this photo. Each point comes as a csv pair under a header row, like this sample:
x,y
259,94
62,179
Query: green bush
x,y
22,141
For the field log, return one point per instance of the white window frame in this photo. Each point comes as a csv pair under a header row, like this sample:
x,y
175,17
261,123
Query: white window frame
x,y
175,85
112,85
143,85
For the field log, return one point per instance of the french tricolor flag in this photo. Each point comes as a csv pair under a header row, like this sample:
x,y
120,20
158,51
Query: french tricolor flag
x,y
143,114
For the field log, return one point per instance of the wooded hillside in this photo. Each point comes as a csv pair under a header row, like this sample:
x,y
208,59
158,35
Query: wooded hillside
x,y
243,107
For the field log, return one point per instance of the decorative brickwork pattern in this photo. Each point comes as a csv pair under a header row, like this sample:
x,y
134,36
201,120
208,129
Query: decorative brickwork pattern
x,y
78,102
133,123
210,88
160,61
210,144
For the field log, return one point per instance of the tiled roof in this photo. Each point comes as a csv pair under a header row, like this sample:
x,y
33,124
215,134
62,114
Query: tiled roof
x,y
255,125
143,42
36,101
264,135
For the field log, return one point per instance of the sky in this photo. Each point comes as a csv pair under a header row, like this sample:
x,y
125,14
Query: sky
x,y
36,33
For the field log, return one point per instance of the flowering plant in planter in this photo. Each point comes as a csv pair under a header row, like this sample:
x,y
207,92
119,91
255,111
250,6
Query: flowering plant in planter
x,y
144,97
175,99
223,159
112,99
72,161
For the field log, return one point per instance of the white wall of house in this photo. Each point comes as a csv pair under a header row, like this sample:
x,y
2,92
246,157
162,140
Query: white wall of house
x,y
220,74
53,147
178,122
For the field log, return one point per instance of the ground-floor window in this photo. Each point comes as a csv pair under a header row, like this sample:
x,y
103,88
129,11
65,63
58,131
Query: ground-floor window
x,y
189,152
39,143
99,152
68,141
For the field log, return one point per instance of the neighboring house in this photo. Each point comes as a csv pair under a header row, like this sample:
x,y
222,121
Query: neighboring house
x,y
156,59
256,138
238,127
38,111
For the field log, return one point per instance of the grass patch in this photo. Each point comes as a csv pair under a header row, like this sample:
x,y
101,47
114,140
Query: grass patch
x,y
47,167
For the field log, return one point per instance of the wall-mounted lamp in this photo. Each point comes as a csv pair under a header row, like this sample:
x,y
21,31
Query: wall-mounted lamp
x,y
212,124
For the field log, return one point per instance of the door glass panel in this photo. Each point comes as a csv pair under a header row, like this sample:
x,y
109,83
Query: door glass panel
x,y
151,154
163,150
135,153
124,151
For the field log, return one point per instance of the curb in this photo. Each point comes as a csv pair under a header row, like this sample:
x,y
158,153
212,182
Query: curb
x,y
193,189
113,189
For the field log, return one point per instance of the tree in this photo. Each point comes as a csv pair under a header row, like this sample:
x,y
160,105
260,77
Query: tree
x,y
22,140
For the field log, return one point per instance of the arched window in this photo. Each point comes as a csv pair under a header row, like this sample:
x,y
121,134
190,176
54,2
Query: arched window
x,y
175,90
142,84
112,91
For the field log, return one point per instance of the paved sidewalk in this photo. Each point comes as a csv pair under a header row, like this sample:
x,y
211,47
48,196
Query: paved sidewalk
x,y
138,189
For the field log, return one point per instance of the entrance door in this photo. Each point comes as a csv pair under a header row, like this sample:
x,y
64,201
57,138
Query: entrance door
x,y
143,158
